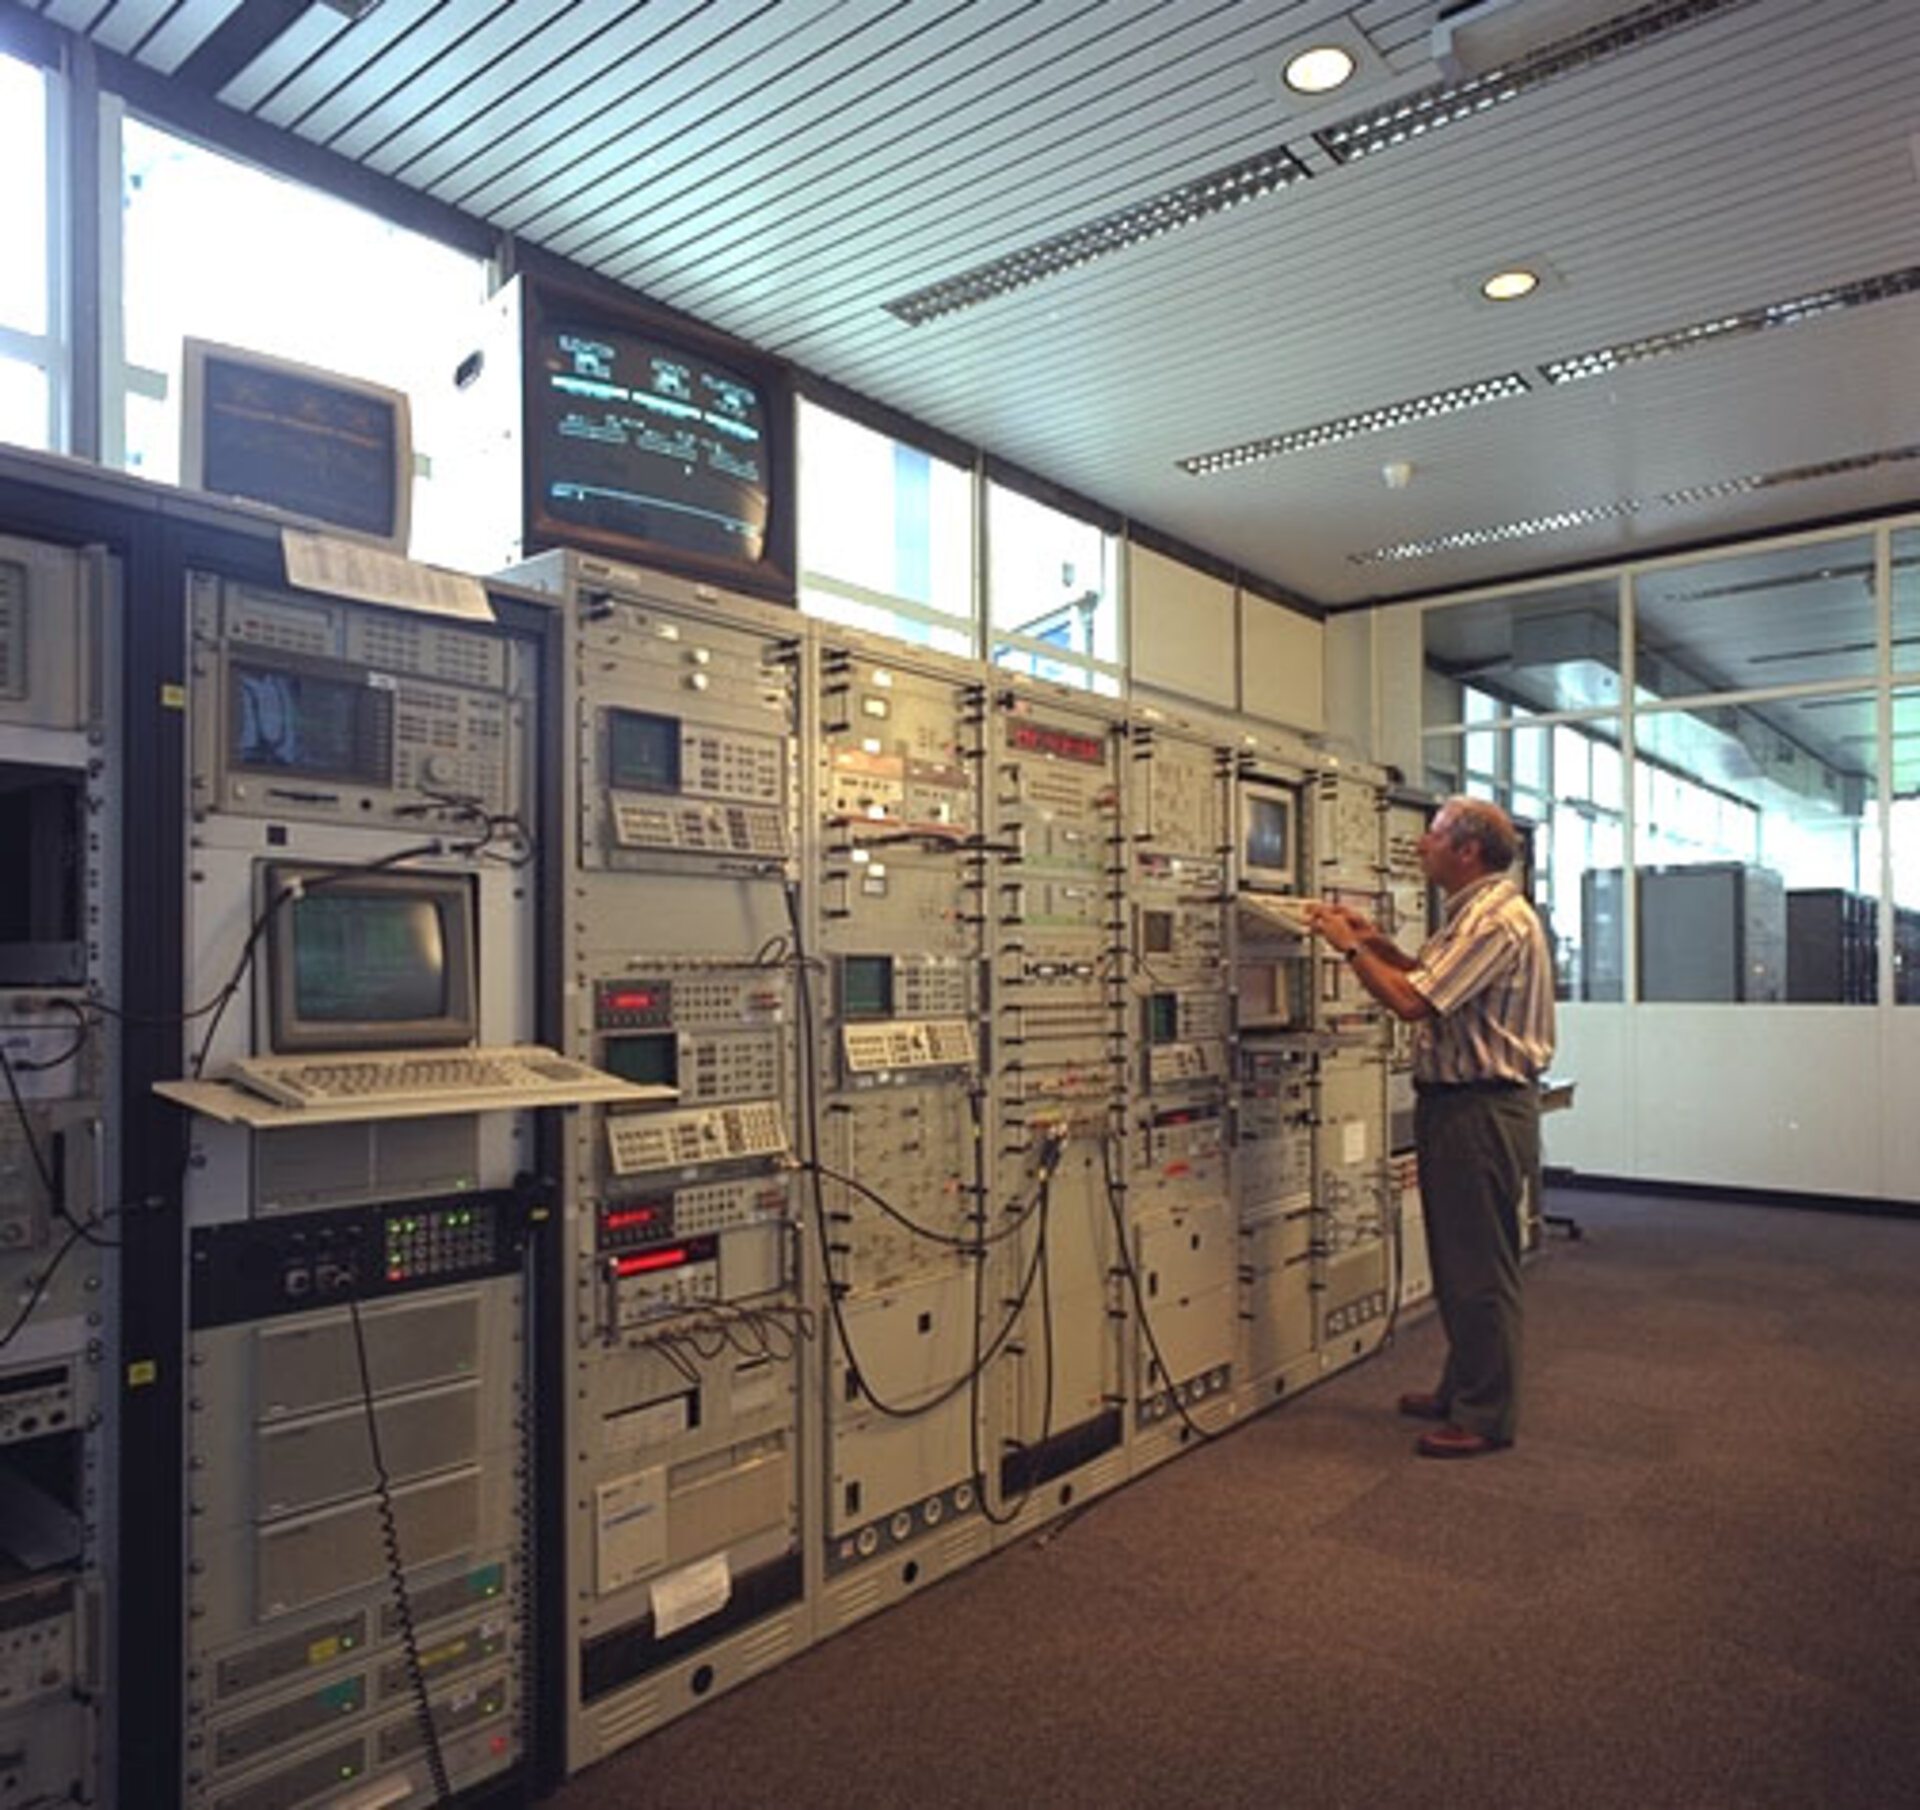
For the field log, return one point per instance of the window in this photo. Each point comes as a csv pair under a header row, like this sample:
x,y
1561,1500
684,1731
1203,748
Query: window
x,y
1053,606
886,534
219,250
30,358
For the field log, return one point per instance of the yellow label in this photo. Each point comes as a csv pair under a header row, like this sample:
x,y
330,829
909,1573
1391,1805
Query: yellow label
x,y
320,1651
173,697
142,1373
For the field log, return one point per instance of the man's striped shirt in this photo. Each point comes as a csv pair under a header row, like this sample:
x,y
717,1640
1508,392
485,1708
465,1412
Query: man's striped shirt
x,y
1489,978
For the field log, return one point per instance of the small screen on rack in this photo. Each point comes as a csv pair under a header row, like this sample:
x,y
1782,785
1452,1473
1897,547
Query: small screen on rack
x,y
369,958
643,752
1269,833
651,1059
866,986
300,722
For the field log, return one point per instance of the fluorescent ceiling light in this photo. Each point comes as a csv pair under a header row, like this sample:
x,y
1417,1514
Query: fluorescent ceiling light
x,y
1445,103
1791,313
1560,521
1348,427
1151,218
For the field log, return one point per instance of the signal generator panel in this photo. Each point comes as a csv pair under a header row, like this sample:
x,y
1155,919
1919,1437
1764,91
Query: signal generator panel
x,y
1179,1204
1059,933
902,1213
361,827
686,1338
61,760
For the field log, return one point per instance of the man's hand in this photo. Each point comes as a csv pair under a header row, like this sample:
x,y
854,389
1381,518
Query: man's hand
x,y
1341,926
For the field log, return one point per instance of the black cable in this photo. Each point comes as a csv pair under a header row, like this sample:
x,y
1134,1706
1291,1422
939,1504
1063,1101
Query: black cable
x,y
41,1284
396,1571
42,1168
331,877
1003,1516
809,1066
1132,1275
952,1241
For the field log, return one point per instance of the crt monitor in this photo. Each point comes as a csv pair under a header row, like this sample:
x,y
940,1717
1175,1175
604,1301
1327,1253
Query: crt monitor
x,y
335,450
651,440
359,960
1270,837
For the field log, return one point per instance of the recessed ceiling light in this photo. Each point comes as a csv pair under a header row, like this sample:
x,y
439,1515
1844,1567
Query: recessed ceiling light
x,y
1510,285
1319,70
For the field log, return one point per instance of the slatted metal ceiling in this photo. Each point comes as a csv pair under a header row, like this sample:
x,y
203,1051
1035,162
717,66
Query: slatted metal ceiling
x,y
783,168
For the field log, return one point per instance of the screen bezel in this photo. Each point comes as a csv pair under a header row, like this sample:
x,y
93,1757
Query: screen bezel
x,y
546,305
196,357
1283,876
454,895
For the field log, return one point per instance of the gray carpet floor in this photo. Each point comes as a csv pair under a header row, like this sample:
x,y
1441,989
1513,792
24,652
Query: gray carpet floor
x,y
1695,1579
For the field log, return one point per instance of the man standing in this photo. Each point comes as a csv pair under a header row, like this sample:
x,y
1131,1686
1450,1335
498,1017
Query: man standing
x,y
1480,996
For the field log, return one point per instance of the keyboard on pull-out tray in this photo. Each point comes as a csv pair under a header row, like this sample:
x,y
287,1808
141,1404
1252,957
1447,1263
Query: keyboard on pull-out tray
x,y
378,1078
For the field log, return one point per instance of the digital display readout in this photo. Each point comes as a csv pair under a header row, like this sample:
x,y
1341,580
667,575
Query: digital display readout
x,y
1065,744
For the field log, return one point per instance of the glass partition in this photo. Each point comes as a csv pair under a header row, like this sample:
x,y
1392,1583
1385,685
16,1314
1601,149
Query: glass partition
x,y
1548,650
1906,599
1903,843
1755,833
1782,616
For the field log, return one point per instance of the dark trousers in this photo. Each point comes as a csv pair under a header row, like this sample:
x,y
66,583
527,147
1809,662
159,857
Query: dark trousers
x,y
1478,1150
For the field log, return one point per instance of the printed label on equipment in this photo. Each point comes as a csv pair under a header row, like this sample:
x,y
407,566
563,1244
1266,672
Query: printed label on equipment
x,y
630,1528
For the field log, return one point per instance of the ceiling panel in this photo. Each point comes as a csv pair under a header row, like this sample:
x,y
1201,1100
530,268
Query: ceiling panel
x,y
784,170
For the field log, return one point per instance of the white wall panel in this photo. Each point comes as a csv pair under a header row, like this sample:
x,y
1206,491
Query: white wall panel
x,y
1760,1096
1595,1134
1183,638
1282,677
1896,1086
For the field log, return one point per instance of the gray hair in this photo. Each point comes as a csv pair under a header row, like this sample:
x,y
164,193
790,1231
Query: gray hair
x,y
1483,826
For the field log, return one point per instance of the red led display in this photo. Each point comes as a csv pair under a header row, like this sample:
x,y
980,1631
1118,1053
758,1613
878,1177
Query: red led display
x,y
670,1259
1066,744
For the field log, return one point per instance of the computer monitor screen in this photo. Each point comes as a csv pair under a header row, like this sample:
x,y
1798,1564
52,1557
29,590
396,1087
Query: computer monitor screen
x,y
1269,848
649,439
369,960
333,449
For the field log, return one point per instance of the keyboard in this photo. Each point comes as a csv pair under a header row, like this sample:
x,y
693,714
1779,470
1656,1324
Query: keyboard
x,y
515,1075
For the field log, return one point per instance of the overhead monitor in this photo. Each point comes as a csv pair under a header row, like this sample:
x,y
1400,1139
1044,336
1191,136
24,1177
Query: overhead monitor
x,y
369,960
336,451
652,440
